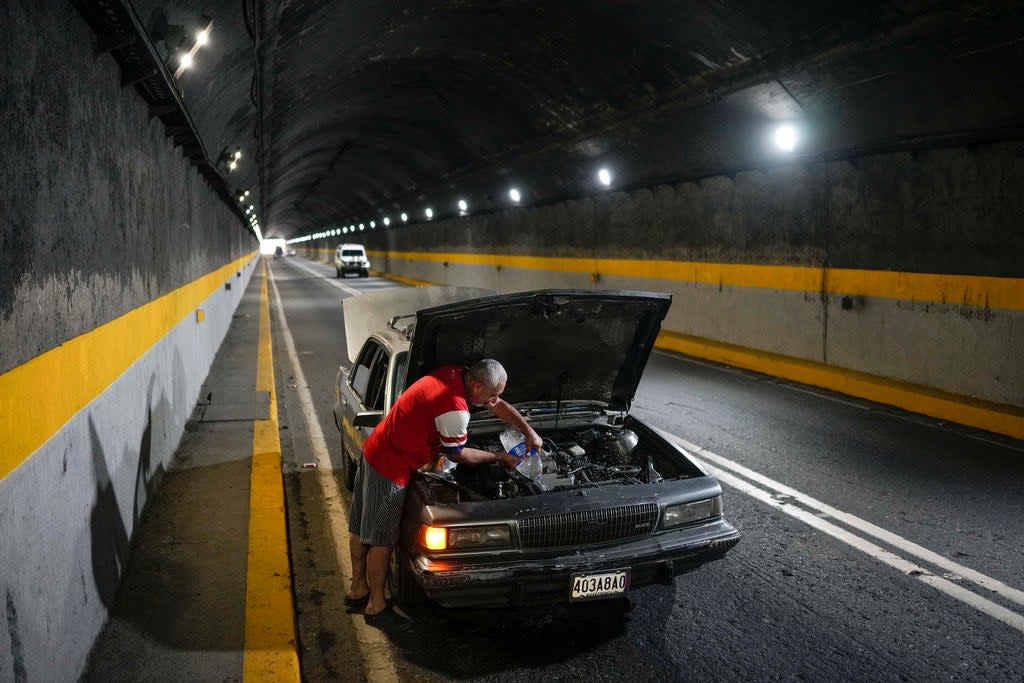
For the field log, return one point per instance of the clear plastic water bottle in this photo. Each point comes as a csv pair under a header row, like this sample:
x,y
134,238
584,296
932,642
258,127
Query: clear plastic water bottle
x,y
514,442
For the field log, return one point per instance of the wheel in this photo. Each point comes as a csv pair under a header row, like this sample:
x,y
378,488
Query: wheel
x,y
402,586
364,273
348,467
337,272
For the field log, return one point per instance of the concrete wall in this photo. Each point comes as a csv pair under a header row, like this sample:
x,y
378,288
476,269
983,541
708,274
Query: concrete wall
x,y
924,249
100,217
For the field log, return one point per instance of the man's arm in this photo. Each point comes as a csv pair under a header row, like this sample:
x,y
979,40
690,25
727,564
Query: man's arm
x,y
475,456
507,413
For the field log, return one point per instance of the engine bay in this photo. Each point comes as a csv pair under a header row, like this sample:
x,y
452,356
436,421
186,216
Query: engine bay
x,y
597,454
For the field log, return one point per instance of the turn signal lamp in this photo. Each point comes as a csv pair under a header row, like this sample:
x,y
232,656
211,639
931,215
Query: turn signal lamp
x,y
433,537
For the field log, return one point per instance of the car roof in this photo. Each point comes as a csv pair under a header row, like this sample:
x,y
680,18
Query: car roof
x,y
350,246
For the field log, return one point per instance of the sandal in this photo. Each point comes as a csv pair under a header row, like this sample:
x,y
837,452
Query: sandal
x,y
356,603
387,620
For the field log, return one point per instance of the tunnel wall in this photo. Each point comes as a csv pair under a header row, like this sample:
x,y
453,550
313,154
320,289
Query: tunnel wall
x,y
897,267
109,243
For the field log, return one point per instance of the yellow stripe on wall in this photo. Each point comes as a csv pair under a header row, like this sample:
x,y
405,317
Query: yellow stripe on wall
x,y
38,397
993,417
970,290
271,646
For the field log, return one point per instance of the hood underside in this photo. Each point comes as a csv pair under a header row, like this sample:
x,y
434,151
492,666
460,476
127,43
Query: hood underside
x,y
568,345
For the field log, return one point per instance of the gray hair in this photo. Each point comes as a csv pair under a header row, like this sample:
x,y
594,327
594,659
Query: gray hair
x,y
488,372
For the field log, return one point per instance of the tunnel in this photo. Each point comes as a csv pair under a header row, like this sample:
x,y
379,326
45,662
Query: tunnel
x,y
831,194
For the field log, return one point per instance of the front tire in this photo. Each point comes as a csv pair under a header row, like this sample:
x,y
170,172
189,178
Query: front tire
x,y
337,272
364,273
402,586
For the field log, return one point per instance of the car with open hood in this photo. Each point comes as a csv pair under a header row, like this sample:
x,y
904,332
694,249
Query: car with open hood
x,y
615,506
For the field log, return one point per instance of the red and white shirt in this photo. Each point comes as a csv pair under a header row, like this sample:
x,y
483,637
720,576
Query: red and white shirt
x,y
430,417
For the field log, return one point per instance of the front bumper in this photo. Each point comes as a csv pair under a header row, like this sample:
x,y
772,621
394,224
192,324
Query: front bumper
x,y
534,581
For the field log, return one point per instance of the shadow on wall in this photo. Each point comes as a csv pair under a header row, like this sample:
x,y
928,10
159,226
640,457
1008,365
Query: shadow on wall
x,y
109,537
19,674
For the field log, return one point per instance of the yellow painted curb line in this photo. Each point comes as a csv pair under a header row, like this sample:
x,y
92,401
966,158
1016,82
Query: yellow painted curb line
x,y
271,645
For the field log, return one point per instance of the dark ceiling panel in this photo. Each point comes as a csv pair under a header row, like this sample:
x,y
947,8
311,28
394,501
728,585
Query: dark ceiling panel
x,y
371,107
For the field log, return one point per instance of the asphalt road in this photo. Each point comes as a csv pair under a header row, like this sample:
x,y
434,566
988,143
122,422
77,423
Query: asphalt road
x,y
894,553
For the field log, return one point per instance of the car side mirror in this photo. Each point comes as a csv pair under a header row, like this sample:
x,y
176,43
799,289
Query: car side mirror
x,y
368,418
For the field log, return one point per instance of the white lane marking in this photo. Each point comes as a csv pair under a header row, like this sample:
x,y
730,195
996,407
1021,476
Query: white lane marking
x,y
349,290
1008,617
898,542
377,654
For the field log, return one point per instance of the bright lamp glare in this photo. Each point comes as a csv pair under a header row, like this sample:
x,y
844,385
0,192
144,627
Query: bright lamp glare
x,y
203,37
429,212
405,217
463,206
514,195
387,221
233,165
362,227
605,176
185,60
434,538
372,224
785,138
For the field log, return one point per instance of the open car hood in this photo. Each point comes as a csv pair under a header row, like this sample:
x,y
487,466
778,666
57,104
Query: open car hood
x,y
555,344
368,313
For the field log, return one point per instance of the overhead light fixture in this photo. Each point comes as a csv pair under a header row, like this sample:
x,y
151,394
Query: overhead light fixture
x,y
786,138
232,165
405,218
514,195
604,176
463,206
185,60
238,153
372,224
429,212
362,227
387,221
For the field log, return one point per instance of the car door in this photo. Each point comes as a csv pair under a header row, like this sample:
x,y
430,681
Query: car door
x,y
365,391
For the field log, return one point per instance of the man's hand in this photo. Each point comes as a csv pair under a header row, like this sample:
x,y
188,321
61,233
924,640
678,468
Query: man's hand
x,y
507,459
533,441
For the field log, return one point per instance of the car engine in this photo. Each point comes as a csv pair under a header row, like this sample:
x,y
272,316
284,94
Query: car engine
x,y
595,456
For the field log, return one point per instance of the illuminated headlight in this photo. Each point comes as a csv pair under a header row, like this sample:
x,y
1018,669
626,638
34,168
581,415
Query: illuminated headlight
x,y
455,538
676,515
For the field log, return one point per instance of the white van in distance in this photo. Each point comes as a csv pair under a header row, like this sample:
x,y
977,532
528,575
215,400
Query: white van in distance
x,y
351,258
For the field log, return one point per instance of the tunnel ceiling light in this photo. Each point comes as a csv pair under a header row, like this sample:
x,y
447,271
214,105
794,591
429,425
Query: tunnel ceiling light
x,y
232,165
405,218
362,227
604,176
387,221
238,153
463,206
203,37
429,213
514,195
185,60
373,224
786,138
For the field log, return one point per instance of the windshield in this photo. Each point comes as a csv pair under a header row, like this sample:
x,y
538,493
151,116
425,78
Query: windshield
x,y
351,252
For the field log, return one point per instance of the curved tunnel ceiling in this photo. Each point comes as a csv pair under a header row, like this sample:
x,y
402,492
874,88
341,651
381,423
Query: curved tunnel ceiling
x,y
371,108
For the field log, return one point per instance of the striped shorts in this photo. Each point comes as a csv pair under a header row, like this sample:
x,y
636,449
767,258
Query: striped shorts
x,y
376,513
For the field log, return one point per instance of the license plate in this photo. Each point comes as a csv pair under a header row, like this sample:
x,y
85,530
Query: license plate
x,y
597,586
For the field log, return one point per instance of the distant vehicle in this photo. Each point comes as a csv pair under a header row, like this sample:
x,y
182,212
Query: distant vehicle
x,y
616,506
279,252
351,258
290,252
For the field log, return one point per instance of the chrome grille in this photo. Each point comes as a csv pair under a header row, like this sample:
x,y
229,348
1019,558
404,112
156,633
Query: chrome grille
x,y
588,526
